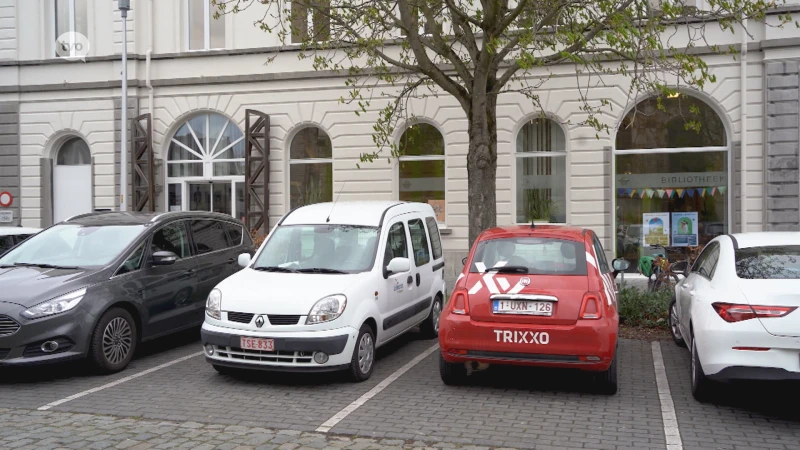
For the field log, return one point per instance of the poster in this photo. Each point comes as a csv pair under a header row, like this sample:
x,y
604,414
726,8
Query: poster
x,y
438,208
684,229
655,229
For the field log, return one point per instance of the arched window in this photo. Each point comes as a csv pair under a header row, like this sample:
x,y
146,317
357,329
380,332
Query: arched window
x,y
310,168
671,178
422,167
205,166
541,172
74,152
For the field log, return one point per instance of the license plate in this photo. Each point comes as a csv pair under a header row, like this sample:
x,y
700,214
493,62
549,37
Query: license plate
x,y
267,345
522,307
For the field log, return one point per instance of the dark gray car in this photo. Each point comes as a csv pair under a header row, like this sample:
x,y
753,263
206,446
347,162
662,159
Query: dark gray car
x,y
96,285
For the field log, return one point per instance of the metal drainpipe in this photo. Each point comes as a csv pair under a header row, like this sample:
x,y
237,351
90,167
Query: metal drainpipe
x,y
743,136
148,81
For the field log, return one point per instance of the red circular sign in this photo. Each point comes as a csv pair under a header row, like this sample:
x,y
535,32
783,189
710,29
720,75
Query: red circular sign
x,y
5,199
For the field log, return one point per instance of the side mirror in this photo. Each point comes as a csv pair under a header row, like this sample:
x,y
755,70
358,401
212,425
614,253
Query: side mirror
x,y
399,265
164,258
681,267
620,264
244,260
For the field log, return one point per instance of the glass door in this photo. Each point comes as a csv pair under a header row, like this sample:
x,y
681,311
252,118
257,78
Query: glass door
x,y
216,196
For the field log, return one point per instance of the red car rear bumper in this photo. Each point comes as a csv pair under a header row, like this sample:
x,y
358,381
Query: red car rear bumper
x,y
587,345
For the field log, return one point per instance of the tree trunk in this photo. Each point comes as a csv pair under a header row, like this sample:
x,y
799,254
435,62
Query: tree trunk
x,y
482,165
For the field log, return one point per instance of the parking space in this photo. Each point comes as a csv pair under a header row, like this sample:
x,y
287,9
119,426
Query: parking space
x,y
522,408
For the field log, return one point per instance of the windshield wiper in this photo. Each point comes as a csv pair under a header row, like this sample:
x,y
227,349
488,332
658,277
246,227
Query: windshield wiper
x,y
511,269
45,266
320,270
274,269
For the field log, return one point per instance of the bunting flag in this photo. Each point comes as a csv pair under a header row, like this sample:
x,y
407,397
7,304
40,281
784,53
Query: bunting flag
x,y
649,192
660,193
710,191
690,192
633,192
669,193
679,192
713,191
722,189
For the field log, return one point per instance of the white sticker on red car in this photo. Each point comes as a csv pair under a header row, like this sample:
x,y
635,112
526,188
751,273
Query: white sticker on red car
x,y
522,337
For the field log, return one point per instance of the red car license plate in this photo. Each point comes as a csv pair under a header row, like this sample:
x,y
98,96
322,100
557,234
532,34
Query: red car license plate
x,y
267,345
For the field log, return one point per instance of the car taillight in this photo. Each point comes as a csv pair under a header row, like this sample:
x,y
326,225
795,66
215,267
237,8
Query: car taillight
x,y
736,313
460,303
591,307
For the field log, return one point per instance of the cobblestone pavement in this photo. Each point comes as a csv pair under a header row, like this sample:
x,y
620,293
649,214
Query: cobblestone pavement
x,y
502,407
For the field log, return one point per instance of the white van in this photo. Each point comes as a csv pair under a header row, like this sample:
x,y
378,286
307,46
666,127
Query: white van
x,y
330,284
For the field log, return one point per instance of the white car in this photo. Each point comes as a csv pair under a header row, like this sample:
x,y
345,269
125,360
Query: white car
x,y
11,236
737,310
329,285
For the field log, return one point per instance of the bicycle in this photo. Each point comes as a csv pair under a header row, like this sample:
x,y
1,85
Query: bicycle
x,y
666,273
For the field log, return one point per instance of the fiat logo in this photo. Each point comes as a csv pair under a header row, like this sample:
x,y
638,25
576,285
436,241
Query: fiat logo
x,y
525,281
260,321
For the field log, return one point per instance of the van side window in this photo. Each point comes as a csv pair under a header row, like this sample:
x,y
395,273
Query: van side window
x,y
436,240
235,233
419,242
396,245
172,238
209,236
133,263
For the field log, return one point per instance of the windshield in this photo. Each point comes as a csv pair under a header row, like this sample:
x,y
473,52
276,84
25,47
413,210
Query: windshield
x,y
768,263
534,256
71,245
320,248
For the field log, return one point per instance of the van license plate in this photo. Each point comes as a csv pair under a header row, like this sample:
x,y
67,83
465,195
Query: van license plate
x,y
267,345
517,307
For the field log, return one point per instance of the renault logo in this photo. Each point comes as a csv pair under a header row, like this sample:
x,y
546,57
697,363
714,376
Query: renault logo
x,y
260,321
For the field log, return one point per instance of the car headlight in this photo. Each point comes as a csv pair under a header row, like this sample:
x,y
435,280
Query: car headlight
x,y
327,309
214,304
57,305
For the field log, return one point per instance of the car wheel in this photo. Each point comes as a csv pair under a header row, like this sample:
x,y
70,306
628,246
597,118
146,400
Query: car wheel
x,y
430,327
607,381
363,360
701,385
113,341
453,374
674,325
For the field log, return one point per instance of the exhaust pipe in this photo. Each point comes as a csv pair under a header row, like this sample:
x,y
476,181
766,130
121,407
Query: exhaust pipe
x,y
49,346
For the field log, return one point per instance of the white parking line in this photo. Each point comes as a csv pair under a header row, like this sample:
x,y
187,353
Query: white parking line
x,y
671,431
114,383
338,417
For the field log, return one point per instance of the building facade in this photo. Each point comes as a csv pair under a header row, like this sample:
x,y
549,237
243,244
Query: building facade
x,y
648,181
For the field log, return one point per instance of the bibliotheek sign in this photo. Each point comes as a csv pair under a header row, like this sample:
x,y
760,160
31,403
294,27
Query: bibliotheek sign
x,y
672,180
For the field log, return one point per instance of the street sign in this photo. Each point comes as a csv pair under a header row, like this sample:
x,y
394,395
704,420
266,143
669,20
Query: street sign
x,y
6,199
6,216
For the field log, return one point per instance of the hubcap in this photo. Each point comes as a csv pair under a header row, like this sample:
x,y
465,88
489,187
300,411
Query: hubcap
x,y
673,315
436,314
694,364
117,340
366,353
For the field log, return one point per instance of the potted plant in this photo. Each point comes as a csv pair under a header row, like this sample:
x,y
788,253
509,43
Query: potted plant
x,y
538,207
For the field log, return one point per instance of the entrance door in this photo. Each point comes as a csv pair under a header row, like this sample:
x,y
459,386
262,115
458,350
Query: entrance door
x,y
217,196
72,180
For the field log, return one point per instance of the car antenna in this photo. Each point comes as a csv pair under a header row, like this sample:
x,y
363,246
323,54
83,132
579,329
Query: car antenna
x,y
334,202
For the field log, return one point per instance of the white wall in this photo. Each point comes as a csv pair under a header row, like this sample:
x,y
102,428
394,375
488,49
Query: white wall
x,y
8,29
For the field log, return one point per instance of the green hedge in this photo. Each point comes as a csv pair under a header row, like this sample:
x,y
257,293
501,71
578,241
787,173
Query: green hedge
x,y
639,308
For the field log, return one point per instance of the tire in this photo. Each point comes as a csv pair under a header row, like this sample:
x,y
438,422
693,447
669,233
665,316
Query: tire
x,y
607,381
113,341
701,385
430,327
452,374
674,325
363,361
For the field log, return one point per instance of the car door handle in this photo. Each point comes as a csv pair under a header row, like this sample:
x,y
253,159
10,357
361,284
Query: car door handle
x,y
231,260
418,280
410,279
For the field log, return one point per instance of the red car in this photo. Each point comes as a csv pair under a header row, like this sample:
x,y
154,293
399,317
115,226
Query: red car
x,y
533,296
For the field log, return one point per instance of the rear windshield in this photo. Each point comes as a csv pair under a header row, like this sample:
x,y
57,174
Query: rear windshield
x,y
540,256
768,263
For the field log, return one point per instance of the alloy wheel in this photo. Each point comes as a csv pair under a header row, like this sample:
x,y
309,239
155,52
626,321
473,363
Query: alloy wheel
x,y
366,353
117,340
673,314
437,314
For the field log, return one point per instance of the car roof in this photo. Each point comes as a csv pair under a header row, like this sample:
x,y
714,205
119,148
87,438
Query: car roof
x,y
111,218
541,231
766,239
358,213
15,231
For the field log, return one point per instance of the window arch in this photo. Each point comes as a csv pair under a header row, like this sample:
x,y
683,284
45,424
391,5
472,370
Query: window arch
x,y
422,167
541,172
205,166
74,152
310,168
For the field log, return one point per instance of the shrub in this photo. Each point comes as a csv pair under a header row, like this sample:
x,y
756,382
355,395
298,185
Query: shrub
x,y
639,308
258,238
